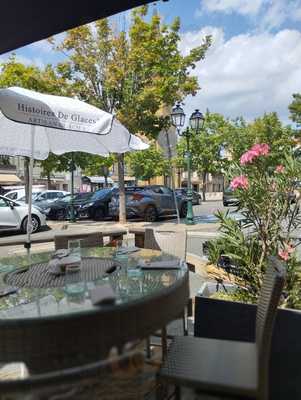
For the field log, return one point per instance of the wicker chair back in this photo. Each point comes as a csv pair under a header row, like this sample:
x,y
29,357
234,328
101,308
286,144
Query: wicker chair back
x,y
171,242
270,294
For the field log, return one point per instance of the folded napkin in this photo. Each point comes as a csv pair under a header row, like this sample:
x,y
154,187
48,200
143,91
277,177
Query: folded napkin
x,y
126,250
57,266
102,295
61,253
164,264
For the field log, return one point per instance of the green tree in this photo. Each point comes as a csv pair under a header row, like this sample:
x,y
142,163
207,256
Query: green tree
x,y
147,164
98,165
295,108
133,74
205,147
46,80
266,129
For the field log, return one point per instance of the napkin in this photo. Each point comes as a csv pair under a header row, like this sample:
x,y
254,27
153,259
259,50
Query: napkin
x,y
164,264
126,250
102,295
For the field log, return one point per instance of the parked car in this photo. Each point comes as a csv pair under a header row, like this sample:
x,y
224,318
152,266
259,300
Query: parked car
x,y
49,195
14,216
19,194
196,197
229,198
94,205
148,202
60,209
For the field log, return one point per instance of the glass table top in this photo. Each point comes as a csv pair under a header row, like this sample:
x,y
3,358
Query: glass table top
x,y
129,283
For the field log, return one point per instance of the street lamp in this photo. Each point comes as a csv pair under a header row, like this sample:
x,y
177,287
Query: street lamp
x,y
196,122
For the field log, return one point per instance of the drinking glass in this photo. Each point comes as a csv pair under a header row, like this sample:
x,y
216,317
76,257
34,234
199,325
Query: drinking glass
x,y
75,245
75,284
133,269
122,258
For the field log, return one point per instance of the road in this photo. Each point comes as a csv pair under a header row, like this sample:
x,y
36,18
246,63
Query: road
x,y
194,246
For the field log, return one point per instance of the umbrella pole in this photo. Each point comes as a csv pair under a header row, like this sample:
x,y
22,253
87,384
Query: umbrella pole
x,y
27,245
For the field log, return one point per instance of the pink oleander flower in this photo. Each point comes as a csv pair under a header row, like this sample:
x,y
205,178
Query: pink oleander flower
x,y
247,157
279,169
260,149
283,254
239,182
286,252
289,248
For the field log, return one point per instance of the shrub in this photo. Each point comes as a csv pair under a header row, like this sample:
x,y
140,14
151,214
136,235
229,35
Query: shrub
x,y
270,210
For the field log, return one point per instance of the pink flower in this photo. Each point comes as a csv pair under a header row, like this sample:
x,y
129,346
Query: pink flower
x,y
240,182
247,157
261,149
283,254
279,169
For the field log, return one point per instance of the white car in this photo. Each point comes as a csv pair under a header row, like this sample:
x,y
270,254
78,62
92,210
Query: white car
x,y
14,216
49,195
19,194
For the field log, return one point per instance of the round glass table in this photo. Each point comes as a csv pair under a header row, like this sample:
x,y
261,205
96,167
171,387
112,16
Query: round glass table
x,y
47,328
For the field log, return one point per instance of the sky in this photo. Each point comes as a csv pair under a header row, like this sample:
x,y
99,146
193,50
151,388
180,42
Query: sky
x,y
253,65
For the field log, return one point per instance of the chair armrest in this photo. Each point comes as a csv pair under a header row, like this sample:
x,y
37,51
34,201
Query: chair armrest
x,y
228,320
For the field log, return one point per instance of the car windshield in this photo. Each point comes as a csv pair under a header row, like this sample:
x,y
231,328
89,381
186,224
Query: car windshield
x,y
229,190
66,198
35,195
100,194
92,196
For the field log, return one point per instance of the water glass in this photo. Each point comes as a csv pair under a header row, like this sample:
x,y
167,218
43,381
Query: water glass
x,y
75,245
75,285
133,269
122,258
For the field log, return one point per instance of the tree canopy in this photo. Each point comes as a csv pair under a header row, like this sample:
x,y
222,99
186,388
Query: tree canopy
x,y
147,164
133,74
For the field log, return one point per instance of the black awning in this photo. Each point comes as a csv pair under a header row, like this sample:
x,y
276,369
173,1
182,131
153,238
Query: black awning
x,y
26,21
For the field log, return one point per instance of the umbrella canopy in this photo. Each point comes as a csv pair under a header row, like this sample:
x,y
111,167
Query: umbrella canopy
x,y
61,125
33,124
23,22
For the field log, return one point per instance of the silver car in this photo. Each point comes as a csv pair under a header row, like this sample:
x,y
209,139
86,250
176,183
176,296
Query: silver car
x,y
148,202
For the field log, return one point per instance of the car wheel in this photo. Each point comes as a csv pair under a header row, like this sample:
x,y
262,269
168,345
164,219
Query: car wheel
x,y
35,224
183,211
150,214
99,214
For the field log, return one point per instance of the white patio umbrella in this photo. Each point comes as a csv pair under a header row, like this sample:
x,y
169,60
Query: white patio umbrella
x,y
34,124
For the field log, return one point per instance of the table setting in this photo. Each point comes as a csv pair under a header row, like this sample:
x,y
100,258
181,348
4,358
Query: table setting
x,y
108,298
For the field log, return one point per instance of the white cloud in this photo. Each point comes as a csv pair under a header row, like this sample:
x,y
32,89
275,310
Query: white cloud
x,y
244,7
248,74
264,14
280,11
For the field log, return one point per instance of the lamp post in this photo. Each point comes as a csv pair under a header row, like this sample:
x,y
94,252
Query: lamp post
x,y
196,122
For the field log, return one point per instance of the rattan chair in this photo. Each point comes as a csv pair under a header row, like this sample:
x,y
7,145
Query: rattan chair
x,y
174,243
229,368
94,239
113,379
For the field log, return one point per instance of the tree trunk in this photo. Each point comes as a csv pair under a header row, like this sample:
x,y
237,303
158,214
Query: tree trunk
x,y
204,185
106,180
48,181
122,209
26,178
